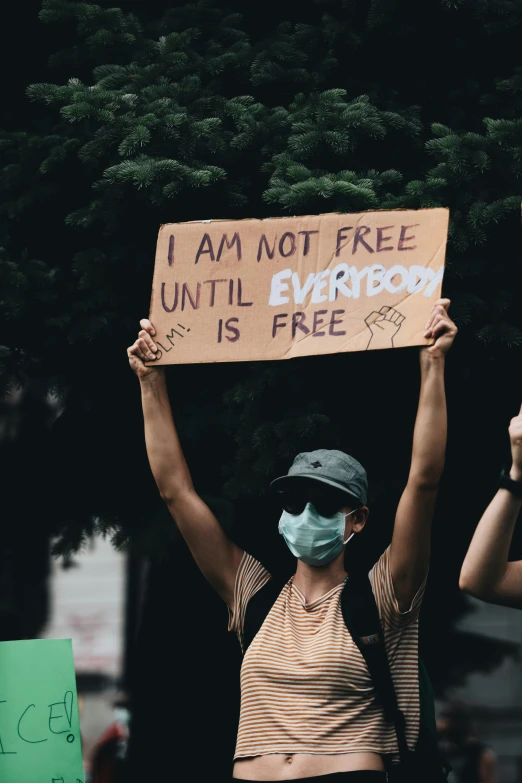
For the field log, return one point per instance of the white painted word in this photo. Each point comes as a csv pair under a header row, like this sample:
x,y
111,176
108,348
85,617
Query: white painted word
x,y
349,282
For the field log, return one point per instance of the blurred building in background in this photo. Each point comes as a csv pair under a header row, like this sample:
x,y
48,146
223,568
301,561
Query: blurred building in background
x,y
87,603
496,698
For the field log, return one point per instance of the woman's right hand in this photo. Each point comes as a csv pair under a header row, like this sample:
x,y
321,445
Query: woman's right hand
x,y
144,350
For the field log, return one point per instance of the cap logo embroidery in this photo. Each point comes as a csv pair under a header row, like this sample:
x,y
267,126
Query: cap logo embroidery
x,y
316,465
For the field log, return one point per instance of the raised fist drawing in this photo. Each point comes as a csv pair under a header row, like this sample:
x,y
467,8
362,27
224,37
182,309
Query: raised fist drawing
x,y
383,326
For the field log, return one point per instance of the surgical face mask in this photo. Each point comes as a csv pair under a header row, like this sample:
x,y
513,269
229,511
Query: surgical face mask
x,y
314,539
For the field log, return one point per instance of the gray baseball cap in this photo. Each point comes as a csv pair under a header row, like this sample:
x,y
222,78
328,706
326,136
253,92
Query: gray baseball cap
x,y
330,467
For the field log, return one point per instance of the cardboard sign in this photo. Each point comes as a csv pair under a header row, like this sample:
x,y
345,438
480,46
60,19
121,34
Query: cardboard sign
x,y
228,291
39,723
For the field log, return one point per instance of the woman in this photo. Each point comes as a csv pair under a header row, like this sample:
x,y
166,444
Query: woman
x,y
307,703
486,572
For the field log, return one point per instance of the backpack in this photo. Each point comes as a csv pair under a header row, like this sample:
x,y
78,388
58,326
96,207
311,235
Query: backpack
x,y
362,620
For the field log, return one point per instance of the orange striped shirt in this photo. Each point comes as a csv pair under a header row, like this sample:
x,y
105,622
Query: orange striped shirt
x,y
305,687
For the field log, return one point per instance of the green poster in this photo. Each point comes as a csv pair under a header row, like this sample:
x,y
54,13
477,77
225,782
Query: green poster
x,y
39,721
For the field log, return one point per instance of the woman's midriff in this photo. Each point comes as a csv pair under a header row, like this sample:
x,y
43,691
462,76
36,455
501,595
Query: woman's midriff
x,y
282,766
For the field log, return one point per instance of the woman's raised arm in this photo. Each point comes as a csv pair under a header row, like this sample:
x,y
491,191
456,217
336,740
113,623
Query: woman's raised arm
x,y
411,542
215,554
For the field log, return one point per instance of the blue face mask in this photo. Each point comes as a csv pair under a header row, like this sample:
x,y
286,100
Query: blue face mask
x,y
314,539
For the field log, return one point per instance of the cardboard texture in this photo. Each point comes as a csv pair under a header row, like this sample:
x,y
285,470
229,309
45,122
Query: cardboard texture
x,y
39,722
227,291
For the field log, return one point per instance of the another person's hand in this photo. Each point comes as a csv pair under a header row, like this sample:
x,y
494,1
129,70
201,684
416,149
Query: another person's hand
x,y
515,436
143,350
441,328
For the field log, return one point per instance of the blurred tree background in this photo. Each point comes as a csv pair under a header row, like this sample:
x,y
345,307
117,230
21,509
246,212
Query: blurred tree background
x,y
118,119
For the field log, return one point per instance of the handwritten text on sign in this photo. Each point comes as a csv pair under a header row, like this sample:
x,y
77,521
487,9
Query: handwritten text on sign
x,y
39,722
259,289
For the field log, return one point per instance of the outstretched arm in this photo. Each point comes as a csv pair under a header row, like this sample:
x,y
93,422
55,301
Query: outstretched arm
x,y
486,572
215,554
411,542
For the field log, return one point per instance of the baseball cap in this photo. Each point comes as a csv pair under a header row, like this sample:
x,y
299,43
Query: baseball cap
x,y
330,467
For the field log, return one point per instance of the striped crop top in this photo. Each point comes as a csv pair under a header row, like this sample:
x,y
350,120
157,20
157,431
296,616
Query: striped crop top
x,y
305,687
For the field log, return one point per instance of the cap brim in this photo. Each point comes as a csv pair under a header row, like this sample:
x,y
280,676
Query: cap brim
x,y
285,482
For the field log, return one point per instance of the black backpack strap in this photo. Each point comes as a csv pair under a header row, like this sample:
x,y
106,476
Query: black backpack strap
x,y
259,606
361,617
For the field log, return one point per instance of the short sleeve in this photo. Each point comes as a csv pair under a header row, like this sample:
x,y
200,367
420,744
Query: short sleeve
x,y
387,604
251,576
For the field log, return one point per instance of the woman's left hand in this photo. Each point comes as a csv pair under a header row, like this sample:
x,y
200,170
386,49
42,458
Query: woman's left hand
x,y
441,328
